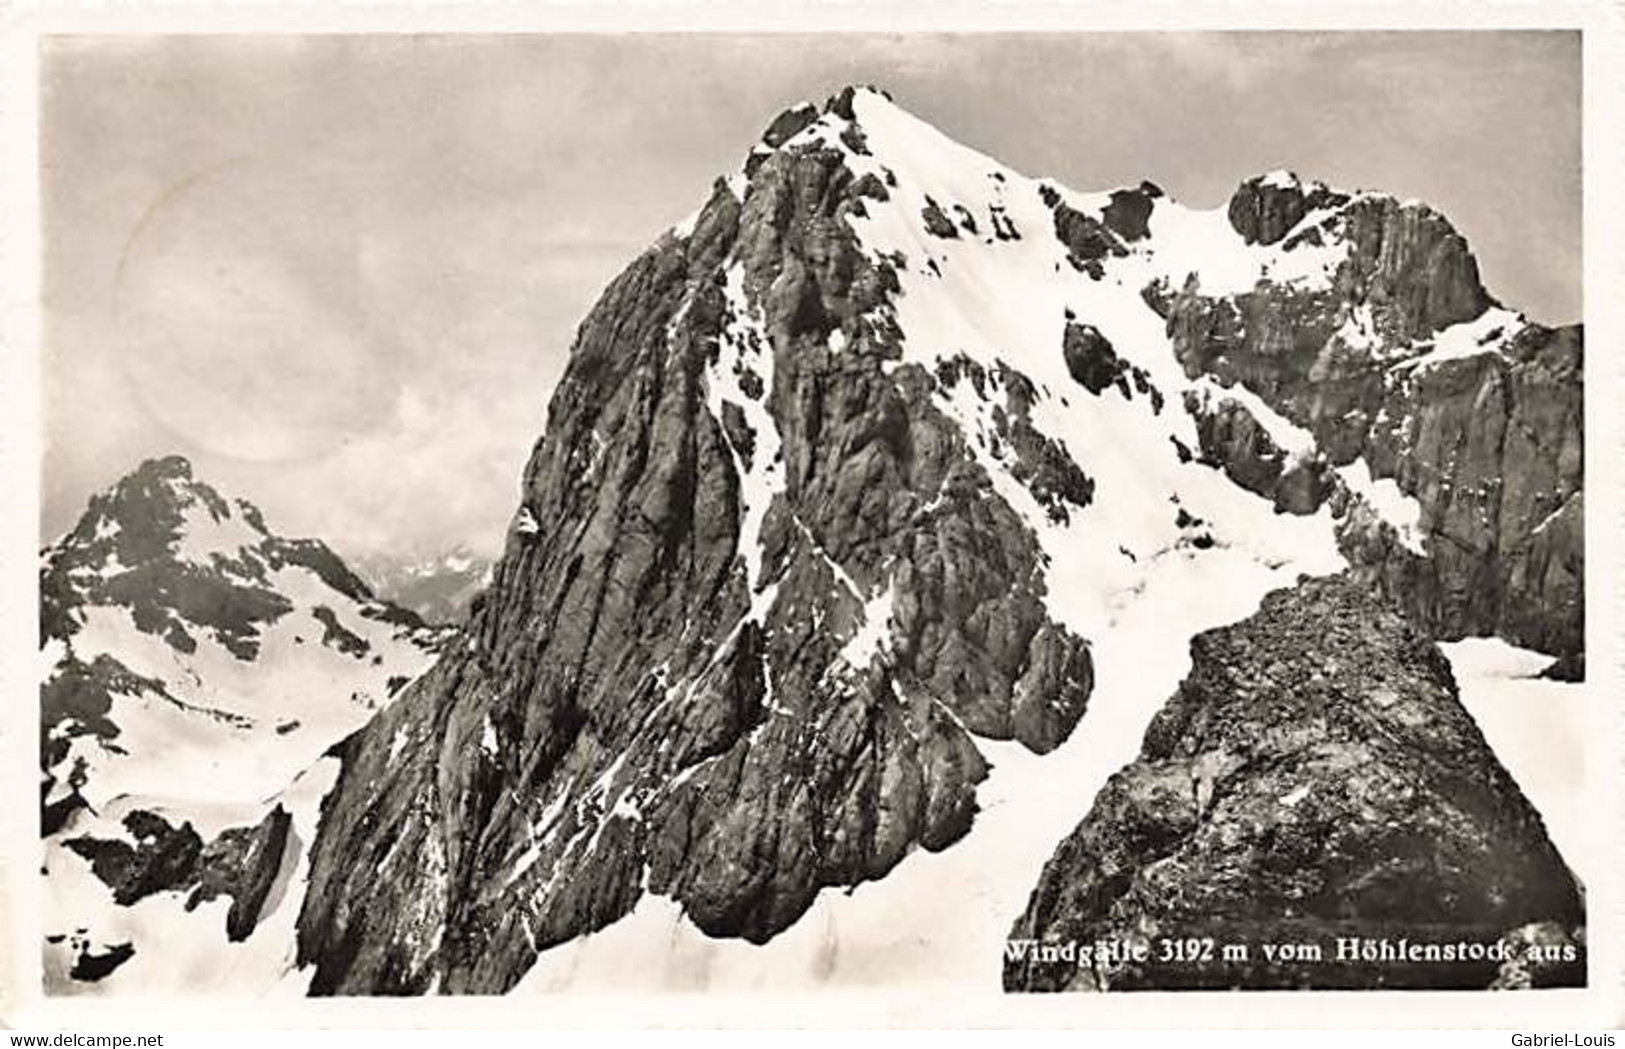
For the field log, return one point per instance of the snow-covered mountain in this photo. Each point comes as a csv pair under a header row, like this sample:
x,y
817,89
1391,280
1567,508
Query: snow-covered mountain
x,y
196,667
893,563
877,510
438,587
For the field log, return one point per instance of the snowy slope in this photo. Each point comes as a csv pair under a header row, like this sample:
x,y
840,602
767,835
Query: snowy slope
x,y
1538,728
195,666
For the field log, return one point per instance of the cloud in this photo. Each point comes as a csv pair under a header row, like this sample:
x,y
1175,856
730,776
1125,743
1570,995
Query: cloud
x,y
343,273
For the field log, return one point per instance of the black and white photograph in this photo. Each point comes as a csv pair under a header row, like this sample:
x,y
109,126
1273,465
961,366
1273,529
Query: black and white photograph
x,y
1008,517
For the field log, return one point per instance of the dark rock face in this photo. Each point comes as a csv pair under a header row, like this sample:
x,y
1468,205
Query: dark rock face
x,y
81,696
164,858
1314,778
1036,461
1232,440
1264,210
1090,358
937,222
1406,262
1490,444
1409,263
1094,364
242,862
666,687
1087,239
337,635
789,124
1492,447
1129,213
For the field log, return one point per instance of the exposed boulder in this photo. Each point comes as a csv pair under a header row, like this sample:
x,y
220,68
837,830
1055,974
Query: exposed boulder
x,y
788,124
1314,781
1088,240
937,222
91,965
163,858
244,863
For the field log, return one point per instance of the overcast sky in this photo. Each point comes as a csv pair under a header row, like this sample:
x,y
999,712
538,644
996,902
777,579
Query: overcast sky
x,y
342,274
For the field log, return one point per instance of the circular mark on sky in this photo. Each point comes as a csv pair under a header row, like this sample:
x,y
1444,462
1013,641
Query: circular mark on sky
x,y
245,328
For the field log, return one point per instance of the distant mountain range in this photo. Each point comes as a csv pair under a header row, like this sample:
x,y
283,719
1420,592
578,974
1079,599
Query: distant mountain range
x,y
440,588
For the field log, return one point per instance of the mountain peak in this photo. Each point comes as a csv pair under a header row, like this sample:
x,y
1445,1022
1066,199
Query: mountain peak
x,y
162,568
194,665
170,482
844,102
176,467
168,478
147,513
160,530
852,116
1283,178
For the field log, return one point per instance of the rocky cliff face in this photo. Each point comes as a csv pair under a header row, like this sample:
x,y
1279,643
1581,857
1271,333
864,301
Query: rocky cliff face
x,y
887,462
675,683
1403,361
194,664
1313,784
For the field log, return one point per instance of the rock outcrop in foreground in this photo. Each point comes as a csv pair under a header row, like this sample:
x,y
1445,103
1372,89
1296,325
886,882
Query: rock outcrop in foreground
x,y
1314,782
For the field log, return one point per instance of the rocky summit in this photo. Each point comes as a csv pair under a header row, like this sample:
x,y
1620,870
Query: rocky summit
x,y
195,668
892,472
1309,806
